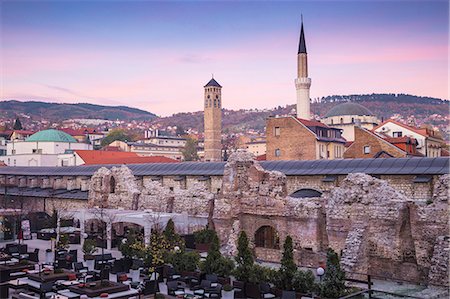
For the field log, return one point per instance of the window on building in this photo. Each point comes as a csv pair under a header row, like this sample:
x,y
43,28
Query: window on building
x,y
367,149
397,134
342,120
353,120
112,185
13,152
267,237
277,131
331,121
277,152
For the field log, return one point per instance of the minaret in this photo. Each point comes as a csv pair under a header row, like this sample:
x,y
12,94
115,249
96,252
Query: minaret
x,y
302,83
213,121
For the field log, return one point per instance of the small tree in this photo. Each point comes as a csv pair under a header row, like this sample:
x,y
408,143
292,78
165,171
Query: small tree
x,y
172,237
333,284
89,247
244,258
288,267
190,150
304,282
17,125
118,134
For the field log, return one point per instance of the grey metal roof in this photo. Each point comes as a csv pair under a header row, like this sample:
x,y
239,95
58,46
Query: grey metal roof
x,y
39,192
390,166
212,83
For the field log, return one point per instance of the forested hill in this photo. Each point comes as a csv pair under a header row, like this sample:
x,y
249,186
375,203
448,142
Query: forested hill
x,y
422,109
56,112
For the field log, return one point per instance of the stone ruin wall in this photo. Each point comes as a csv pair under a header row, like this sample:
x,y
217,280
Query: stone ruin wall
x,y
382,225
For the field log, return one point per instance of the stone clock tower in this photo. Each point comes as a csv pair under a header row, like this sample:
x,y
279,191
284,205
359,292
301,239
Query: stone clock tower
x,y
213,121
302,83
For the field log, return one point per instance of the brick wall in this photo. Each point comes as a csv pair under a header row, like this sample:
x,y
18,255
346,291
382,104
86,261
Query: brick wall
x,y
295,141
365,138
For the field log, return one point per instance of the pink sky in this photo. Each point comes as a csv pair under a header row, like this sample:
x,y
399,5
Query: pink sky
x,y
256,70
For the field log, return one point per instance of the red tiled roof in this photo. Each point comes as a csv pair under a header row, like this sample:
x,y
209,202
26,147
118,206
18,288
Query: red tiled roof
x,y
79,132
2,164
111,148
348,143
91,157
312,123
420,131
23,132
261,158
445,152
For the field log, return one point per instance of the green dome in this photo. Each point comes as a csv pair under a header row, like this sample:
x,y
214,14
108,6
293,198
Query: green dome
x,y
51,136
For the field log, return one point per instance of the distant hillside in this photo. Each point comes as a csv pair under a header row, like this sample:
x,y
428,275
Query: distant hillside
x,y
423,109
57,112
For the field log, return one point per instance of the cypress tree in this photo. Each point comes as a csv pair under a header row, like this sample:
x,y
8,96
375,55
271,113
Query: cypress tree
x,y
17,125
288,267
333,285
244,258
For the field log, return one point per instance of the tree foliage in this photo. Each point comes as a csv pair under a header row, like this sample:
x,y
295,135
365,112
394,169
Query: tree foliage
x,y
190,150
333,284
118,134
172,237
17,125
244,259
288,267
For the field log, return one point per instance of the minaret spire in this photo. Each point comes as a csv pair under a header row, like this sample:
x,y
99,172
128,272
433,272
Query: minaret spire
x,y
302,43
302,83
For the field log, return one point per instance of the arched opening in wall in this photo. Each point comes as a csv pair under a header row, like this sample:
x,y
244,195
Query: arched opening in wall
x,y
267,237
126,230
112,185
306,193
342,120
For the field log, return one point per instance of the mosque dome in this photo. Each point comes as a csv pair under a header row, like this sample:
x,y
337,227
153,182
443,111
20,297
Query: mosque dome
x,y
348,109
51,136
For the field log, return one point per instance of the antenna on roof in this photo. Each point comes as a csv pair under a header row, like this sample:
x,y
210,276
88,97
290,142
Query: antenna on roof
x,y
212,75
301,15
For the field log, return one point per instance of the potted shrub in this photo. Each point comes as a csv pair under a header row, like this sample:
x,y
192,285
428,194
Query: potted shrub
x,y
227,292
89,249
288,268
257,274
333,281
304,283
244,260
203,238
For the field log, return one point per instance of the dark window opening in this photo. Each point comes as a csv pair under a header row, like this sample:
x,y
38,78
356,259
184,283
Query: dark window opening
x,y
267,237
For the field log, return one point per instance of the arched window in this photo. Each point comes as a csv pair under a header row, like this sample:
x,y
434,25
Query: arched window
x,y
353,120
342,120
112,185
267,237
306,193
331,121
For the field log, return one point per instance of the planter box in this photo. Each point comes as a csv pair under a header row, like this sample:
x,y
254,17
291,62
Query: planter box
x,y
135,275
228,295
41,277
111,288
203,247
252,290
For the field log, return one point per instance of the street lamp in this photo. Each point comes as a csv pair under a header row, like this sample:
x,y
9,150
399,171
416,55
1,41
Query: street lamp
x,y
320,272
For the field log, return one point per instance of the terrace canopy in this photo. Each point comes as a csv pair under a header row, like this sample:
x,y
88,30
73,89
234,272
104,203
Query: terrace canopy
x,y
146,219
